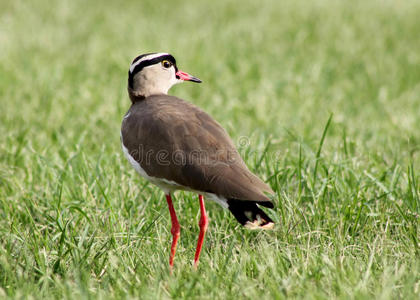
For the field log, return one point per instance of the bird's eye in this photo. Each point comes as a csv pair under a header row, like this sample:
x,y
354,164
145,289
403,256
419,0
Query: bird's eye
x,y
166,64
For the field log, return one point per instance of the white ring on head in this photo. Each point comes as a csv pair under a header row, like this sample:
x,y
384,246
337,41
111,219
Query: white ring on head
x,y
151,56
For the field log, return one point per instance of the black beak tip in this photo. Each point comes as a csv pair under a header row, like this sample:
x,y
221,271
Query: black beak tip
x,y
195,79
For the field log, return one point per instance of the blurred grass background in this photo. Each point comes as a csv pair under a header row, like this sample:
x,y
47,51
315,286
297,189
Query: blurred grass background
x,y
75,219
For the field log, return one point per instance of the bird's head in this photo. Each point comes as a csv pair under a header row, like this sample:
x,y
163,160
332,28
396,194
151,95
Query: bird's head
x,y
154,74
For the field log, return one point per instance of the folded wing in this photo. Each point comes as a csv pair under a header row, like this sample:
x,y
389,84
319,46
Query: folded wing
x,y
175,140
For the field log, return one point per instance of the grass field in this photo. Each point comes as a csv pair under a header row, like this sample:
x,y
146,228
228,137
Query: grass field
x,y
76,221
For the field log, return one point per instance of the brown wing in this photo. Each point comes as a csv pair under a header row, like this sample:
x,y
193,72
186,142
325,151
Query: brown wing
x,y
175,140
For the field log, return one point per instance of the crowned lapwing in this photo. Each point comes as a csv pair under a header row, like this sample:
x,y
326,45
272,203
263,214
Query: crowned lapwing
x,y
177,146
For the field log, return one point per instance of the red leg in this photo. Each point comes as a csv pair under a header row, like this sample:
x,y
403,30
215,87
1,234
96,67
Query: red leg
x,y
175,230
204,221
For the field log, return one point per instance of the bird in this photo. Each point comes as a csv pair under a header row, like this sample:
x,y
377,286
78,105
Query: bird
x,y
177,146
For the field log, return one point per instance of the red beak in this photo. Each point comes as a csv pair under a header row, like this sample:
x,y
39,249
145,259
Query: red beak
x,y
186,77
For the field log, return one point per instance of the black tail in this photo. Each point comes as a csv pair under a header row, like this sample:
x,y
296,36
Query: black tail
x,y
249,214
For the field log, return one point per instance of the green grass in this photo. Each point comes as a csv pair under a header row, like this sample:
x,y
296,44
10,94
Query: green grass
x,y
75,219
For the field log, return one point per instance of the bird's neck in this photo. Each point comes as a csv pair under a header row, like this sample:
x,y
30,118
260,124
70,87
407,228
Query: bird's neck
x,y
139,95
135,97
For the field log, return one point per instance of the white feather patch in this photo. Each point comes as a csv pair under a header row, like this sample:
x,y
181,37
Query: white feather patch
x,y
256,225
151,56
